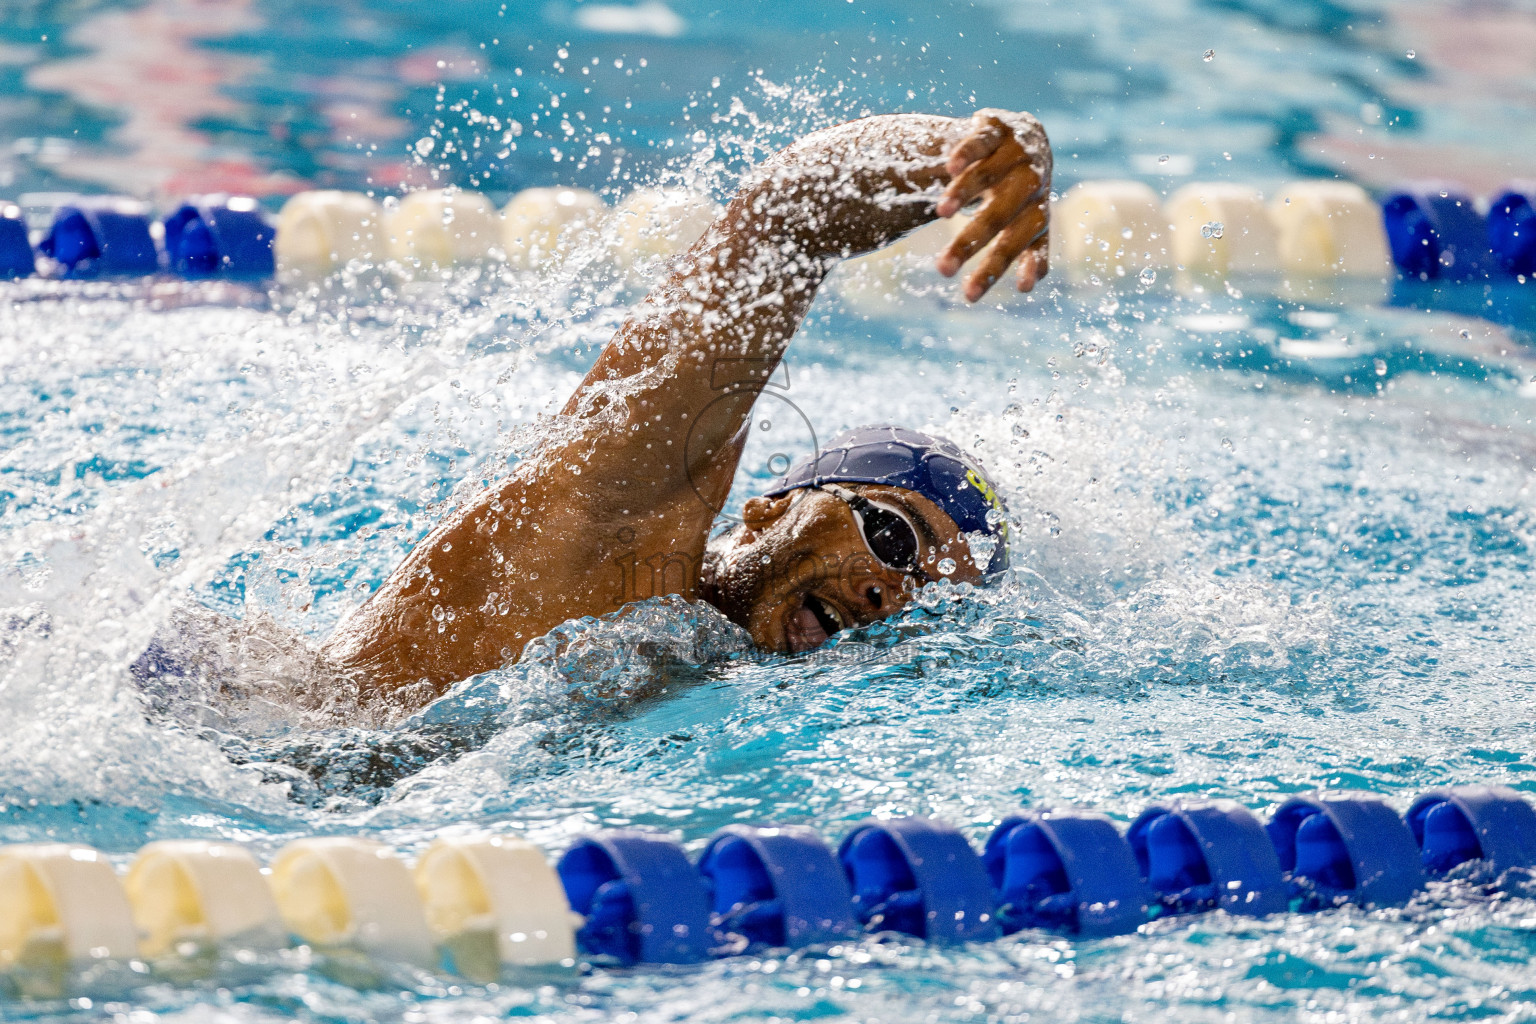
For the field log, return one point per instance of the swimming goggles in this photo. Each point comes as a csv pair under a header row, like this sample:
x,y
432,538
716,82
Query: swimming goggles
x,y
888,533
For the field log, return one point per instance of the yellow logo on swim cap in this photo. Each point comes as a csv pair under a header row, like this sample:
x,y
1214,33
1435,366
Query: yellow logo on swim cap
x,y
977,481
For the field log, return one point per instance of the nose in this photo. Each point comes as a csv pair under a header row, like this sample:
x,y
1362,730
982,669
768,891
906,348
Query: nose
x,y
877,598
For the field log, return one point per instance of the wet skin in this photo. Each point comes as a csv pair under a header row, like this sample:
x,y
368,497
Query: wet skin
x,y
618,503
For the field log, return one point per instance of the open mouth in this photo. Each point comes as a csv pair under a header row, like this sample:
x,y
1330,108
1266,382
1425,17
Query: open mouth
x,y
813,623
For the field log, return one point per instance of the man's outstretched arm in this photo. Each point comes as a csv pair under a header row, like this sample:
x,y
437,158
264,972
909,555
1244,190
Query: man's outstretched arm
x,y
712,333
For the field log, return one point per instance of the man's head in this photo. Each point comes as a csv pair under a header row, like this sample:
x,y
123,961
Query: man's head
x,y
846,537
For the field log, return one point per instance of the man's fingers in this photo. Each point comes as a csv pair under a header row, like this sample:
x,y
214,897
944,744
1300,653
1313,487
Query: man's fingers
x,y
997,213
1021,233
980,176
988,134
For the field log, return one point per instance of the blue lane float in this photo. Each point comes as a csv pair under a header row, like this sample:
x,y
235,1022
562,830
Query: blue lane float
x,y
777,886
1464,823
220,235
16,257
920,877
642,899
1057,870
1345,848
1437,233
101,237
1065,870
1512,229
1206,856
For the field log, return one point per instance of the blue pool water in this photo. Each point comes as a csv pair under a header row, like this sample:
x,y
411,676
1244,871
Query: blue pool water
x,y
1264,546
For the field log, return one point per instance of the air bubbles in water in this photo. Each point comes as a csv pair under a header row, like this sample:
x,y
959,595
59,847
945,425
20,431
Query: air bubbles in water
x,y
946,566
1211,230
1412,54
1147,277
1208,56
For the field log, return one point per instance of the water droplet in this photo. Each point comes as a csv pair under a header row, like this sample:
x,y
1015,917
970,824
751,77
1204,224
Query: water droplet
x,y
424,145
764,424
1412,54
1211,230
1147,277
1466,333
1381,367
1163,159
1208,56
946,566
1226,443
1019,430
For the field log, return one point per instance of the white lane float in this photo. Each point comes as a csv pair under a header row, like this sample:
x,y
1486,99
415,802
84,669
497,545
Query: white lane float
x,y
61,907
649,223
321,232
494,901
539,222
441,228
1329,229
345,893
1221,229
1109,229
202,894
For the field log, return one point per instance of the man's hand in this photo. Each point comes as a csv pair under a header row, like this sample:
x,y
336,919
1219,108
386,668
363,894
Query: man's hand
x,y
1005,161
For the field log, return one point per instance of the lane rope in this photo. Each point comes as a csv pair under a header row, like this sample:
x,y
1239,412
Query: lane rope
x,y
474,905
1101,230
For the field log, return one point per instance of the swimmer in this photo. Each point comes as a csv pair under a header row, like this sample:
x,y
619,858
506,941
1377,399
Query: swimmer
x,y
618,505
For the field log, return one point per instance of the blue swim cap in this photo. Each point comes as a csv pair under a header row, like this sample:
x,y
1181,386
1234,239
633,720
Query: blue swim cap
x,y
933,467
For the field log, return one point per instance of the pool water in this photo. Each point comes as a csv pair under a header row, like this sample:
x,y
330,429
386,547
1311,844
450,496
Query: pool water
x,y
1262,546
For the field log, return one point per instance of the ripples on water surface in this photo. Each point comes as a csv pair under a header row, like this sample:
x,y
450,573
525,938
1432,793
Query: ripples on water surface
x,y
1262,548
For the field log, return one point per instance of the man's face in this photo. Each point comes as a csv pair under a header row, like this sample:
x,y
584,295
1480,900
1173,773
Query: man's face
x,y
798,569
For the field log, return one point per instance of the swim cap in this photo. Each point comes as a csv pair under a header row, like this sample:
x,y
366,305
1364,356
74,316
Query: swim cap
x,y
932,466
